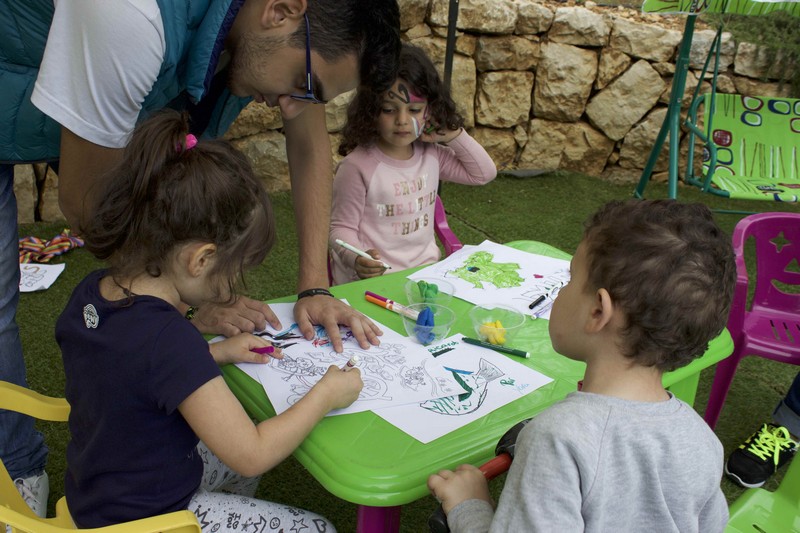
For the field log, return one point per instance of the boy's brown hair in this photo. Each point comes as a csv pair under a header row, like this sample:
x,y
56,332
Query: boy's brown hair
x,y
670,268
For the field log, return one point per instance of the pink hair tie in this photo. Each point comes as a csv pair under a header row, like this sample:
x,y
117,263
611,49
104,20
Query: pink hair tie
x,y
191,141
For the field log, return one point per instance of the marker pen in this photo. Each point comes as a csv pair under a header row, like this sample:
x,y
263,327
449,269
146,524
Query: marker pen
x,y
351,363
537,301
263,350
392,306
499,348
362,253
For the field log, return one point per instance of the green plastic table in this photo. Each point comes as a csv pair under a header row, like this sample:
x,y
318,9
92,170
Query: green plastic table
x,y
363,459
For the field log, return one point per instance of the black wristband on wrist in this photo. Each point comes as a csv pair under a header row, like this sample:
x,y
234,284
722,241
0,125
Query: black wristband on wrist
x,y
314,292
190,313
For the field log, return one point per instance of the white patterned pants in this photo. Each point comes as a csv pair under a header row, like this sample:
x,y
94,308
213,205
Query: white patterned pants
x,y
225,502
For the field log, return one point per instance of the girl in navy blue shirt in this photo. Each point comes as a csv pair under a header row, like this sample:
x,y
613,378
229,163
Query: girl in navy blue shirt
x,y
154,426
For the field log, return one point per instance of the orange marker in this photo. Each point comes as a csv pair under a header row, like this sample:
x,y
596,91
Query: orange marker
x,y
391,305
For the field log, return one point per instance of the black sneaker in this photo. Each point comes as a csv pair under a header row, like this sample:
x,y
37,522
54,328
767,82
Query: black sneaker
x,y
760,456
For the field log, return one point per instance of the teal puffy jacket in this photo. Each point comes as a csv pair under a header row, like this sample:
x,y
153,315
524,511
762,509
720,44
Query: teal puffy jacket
x,y
195,32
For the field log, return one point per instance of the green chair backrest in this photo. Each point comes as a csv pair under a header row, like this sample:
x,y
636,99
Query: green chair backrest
x,y
758,146
742,7
759,510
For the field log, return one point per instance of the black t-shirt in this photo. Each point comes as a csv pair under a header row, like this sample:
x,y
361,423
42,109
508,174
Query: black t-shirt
x,y
128,366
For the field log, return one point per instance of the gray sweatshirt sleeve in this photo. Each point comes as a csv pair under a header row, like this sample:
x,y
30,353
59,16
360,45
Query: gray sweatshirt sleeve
x,y
471,516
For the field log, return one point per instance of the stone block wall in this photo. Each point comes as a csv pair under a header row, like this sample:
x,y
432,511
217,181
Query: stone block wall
x,y
542,84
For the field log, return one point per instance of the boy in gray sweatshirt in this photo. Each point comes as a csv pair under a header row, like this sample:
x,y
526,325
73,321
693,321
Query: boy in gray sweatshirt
x,y
651,284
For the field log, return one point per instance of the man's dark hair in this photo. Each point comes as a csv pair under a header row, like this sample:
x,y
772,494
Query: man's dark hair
x,y
368,28
670,268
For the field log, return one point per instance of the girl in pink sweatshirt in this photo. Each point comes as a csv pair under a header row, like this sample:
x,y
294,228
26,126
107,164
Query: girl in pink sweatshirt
x,y
398,144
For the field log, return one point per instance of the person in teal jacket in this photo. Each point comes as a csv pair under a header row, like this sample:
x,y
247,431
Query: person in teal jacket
x,y
76,77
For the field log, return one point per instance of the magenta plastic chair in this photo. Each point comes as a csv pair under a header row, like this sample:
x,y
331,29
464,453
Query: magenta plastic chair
x,y
442,229
440,226
770,328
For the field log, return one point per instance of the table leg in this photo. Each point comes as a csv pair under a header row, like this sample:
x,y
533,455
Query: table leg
x,y
378,519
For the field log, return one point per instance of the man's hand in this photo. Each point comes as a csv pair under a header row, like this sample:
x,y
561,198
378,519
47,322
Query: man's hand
x,y
452,488
243,316
329,313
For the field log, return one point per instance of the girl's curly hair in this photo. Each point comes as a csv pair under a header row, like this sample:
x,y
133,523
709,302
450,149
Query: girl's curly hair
x,y
418,71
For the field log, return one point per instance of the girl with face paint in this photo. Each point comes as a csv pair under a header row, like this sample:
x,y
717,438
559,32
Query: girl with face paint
x,y
398,144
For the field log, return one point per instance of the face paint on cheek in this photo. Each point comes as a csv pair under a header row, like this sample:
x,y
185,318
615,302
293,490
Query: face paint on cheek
x,y
416,99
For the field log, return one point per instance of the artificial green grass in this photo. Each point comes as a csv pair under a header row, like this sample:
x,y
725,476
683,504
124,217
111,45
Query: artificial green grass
x,y
550,208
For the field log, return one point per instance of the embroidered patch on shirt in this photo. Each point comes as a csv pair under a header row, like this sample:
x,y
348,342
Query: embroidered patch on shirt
x,y
90,316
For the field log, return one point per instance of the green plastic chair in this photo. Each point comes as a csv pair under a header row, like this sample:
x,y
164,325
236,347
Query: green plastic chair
x,y
762,511
751,146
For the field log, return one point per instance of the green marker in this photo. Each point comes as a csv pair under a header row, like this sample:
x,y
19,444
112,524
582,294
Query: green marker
x,y
499,348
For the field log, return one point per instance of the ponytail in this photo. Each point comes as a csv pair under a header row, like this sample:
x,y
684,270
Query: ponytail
x,y
169,189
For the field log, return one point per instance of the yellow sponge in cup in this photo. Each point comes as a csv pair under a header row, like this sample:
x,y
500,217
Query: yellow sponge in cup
x,y
494,332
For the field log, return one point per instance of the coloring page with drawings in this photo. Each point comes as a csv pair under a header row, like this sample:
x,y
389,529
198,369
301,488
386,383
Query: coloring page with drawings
x,y
397,372
494,273
38,277
491,380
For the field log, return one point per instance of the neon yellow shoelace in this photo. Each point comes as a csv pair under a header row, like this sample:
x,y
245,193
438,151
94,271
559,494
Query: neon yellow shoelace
x,y
770,442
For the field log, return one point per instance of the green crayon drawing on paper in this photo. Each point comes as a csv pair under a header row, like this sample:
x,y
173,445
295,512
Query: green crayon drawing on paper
x,y
479,268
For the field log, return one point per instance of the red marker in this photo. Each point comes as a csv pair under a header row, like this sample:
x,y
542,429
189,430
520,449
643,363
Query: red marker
x,y
376,296
391,305
351,363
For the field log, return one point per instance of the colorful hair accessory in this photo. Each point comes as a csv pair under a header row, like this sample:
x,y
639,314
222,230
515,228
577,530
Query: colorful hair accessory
x,y
191,141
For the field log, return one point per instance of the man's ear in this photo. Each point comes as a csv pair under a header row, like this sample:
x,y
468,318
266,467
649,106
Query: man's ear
x,y
601,312
276,13
200,257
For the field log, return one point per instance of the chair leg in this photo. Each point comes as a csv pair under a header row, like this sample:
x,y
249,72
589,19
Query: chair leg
x,y
723,377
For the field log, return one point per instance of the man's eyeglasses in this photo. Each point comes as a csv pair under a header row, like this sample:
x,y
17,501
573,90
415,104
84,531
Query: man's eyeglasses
x,y
309,97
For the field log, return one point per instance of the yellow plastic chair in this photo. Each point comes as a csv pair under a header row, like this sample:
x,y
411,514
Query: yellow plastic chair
x,y
15,513
762,511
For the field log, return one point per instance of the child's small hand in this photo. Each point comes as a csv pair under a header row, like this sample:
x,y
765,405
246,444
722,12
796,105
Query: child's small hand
x,y
239,349
434,134
366,268
452,488
341,388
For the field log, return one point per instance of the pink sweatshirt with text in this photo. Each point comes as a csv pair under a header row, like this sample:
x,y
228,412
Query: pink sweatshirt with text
x,y
387,204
